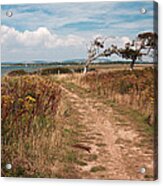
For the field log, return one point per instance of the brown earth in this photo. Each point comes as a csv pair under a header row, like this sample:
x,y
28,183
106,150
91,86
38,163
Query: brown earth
x,y
108,144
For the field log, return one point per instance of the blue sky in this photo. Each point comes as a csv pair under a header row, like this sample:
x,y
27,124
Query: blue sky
x,y
62,31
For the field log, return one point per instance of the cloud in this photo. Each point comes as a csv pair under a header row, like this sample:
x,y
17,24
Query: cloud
x,y
119,41
39,44
61,31
43,44
40,37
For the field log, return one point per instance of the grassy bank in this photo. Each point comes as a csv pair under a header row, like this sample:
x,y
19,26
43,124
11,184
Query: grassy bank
x,y
29,131
135,89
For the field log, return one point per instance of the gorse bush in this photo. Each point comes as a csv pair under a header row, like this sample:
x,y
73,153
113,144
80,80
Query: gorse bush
x,y
29,105
17,73
133,89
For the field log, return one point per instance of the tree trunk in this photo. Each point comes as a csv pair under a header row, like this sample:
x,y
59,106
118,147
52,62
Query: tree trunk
x,y
132,65
88,62
86,66
85,69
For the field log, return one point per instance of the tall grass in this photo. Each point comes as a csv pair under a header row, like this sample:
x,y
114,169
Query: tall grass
x,y
136,89
29,134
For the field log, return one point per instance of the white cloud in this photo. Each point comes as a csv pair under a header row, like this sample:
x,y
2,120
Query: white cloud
x,y
44,44
40,37
117,40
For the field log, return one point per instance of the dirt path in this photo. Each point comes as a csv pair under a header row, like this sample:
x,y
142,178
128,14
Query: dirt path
x,y
116,148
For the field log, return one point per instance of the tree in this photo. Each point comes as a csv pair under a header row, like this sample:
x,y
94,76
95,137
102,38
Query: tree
x,y
142,45
94,51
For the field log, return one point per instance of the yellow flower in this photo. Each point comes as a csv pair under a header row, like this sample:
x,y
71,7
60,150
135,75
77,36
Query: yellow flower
x,y
30,98
20,100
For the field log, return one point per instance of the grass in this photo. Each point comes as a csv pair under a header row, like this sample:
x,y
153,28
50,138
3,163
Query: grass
x,y
39,125
135,90
36,139
30,135
125,114
134,115
75,88
73,157
100,144
92,157
68,157
97,169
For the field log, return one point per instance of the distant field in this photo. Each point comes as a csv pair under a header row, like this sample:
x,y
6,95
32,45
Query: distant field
x,y
69,69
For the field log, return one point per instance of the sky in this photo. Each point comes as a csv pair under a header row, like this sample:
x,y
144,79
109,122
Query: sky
x,y
61,31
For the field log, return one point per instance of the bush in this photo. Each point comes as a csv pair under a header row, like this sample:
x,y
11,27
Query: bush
x,y
17,73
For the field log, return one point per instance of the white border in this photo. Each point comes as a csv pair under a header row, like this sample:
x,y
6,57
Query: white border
x,y
49,182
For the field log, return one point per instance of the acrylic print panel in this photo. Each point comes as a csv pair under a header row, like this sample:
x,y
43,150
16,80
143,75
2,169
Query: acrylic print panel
x,y
79,90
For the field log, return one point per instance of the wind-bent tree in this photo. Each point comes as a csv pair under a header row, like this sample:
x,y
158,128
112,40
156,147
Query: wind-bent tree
x,y
94,51
142,45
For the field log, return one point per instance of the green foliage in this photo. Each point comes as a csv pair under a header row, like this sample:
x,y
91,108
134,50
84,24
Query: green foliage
x,y
97,168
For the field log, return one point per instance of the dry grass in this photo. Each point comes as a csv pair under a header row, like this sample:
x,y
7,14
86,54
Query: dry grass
x,y
40,125
132,89
29,133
